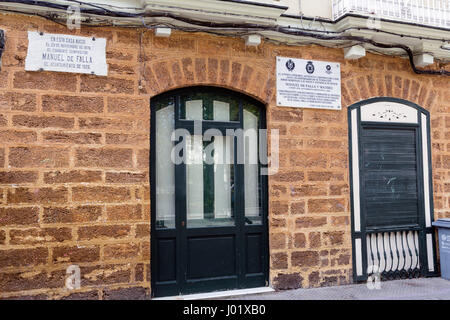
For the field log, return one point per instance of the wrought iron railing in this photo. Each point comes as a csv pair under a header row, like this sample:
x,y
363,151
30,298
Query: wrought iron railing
x,y
394,254
425,12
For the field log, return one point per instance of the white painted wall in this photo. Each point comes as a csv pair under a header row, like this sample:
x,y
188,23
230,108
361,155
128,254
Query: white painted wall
x,y
310,8
316,8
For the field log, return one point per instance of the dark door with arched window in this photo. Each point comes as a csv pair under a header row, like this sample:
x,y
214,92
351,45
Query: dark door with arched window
x,y
208,197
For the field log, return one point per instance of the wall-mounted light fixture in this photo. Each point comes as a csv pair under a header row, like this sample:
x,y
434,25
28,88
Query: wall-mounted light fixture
x,y
253,40
423,60
355,52
163,32
2,46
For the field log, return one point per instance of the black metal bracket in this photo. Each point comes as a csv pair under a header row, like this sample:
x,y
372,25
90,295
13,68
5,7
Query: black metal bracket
x,y
2,46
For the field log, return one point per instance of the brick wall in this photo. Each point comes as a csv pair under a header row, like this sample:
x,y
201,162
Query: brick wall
x,y
74,177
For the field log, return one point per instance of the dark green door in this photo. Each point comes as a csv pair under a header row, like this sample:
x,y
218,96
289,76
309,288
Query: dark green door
x,y
208,196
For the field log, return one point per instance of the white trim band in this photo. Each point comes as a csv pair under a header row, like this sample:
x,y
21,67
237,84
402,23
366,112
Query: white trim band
x,y
430,254
218,294
355,172
426,177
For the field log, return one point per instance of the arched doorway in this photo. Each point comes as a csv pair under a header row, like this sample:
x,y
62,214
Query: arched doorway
x,y
391,189
208,198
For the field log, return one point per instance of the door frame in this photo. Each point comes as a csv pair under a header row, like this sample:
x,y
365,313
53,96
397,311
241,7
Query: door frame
x,y
180,206
425,177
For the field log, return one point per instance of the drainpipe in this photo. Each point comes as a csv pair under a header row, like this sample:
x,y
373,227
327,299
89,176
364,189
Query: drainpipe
x,y
2,46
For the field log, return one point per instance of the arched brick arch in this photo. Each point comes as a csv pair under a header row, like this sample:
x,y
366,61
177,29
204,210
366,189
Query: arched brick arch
x,y
244,77
418,90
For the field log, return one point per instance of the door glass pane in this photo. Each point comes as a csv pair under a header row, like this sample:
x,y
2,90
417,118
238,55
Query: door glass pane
x,y
194,178
221,111
223,177
194,110
208,106
210,182
252,182
165,170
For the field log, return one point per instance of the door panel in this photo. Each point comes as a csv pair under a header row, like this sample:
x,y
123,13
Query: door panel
x,y
211,257
254,246
167,262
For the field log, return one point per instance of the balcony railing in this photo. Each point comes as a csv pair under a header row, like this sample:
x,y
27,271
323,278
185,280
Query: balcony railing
x,y
425,12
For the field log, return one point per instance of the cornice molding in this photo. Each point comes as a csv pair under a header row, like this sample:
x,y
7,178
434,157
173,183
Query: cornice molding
x,y
266,14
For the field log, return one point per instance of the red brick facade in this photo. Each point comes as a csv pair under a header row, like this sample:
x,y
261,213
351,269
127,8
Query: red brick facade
x,y
74,168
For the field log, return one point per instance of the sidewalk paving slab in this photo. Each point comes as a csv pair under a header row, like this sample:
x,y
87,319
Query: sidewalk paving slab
x,y
409,289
